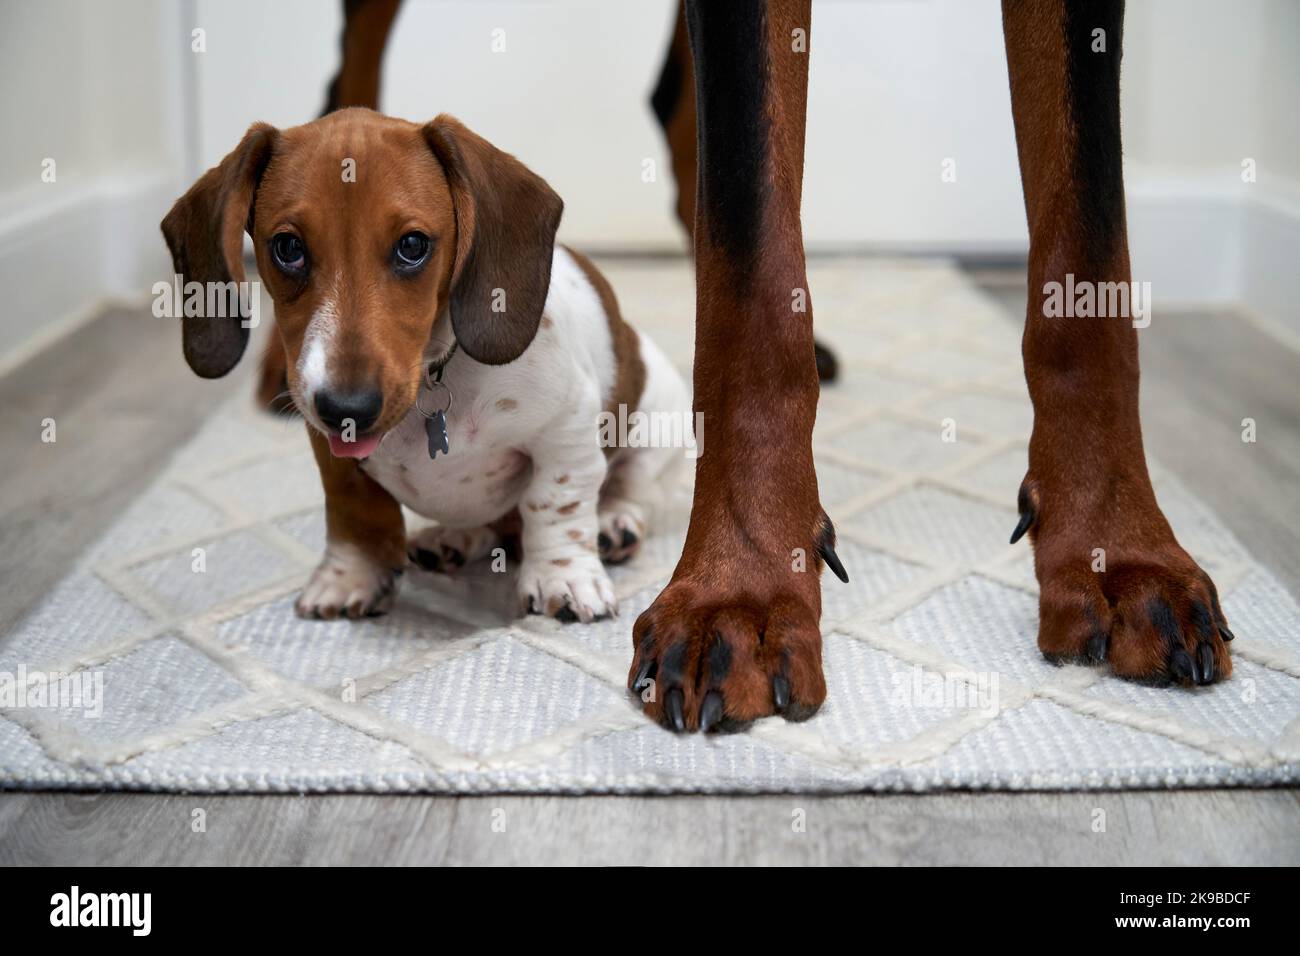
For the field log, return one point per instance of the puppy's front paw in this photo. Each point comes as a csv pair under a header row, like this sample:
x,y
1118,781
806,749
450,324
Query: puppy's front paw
x,y
572,587
348,583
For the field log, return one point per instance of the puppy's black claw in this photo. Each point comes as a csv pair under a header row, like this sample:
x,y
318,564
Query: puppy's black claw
x,y
604,543
429,560
711,711
455,558
673,708
1181,665
629,538
780,693
565,615
1097,647
1226,634
1206,654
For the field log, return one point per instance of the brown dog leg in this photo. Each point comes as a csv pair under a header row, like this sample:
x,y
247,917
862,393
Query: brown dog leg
x,y
736,634
366,25
1115,584
673,102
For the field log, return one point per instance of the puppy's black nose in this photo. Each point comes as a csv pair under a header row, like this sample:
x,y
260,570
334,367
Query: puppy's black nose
x,y
336,409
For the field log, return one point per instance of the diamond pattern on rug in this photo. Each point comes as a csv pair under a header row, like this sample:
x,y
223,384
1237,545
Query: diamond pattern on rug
x,y
495,697
211,683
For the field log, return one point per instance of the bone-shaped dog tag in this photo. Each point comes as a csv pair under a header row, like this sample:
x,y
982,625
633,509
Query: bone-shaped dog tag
x,y
435,427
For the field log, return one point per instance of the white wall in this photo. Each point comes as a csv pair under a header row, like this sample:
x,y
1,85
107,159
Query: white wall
x,y
895,87
1207,85
92,86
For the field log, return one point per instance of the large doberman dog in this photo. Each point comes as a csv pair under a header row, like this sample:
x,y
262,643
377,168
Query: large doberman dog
x,y
736,634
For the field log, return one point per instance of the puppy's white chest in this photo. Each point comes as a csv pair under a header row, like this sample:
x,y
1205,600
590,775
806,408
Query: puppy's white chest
x,y
477,481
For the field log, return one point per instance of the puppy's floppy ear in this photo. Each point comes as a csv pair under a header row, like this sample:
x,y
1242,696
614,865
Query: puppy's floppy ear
x,y
205,233
506,217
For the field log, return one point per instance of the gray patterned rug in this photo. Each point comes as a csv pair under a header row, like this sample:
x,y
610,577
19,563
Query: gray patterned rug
x,y
207,681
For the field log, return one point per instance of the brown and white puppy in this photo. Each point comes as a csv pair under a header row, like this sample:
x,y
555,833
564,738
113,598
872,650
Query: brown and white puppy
x,y
389,248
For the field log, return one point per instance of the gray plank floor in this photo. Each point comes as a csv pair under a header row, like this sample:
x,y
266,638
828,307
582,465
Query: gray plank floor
x,y
124,401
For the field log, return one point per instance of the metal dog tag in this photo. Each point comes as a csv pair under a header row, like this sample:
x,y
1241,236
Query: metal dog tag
x,y
435,427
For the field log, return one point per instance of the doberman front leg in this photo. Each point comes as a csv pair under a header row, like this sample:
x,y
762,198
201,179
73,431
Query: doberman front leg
x,y
1115,585
736,634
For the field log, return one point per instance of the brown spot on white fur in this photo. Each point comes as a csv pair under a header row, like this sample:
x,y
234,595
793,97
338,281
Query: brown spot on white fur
x,y
568,509
561,562
575,535
507,404
562,479
629,368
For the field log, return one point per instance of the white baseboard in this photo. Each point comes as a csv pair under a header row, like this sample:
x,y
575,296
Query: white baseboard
x,y
1213,241
63,257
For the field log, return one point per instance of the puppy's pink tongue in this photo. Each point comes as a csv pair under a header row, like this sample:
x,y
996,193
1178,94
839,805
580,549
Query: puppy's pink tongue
x,y
362,447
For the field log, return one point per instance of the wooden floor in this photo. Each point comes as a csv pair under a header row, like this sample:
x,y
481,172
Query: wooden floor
x,y
123,401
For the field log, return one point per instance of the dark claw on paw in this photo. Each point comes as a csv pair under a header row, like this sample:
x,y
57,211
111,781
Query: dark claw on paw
x,y
780,693
711,711
1027,514
1206,653
604,542
427,559
826,548
1182,666
673,708
1097,647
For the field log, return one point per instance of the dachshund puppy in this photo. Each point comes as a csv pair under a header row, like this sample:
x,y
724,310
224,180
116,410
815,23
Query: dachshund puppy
x,y
445,353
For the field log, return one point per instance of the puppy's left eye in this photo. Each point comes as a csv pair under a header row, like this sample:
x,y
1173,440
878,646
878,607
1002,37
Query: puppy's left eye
x,y
412,251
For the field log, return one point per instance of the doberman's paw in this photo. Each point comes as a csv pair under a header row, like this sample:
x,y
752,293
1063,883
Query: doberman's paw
x,y
348,584
721,665
732,642
1116,589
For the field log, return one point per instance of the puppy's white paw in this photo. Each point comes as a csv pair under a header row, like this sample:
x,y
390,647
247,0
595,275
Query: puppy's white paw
x,y
347,583
571,587
622,529
436,548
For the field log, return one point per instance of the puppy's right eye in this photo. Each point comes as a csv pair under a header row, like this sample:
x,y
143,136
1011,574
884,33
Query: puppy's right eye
x,y
289,253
